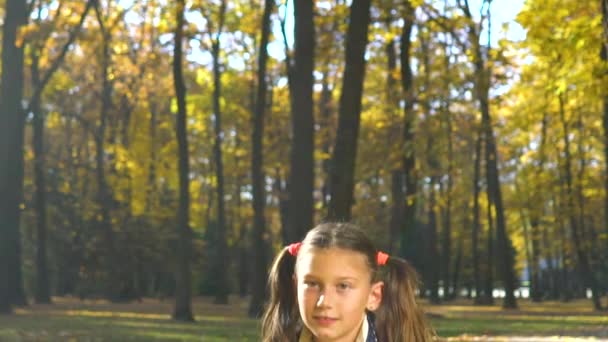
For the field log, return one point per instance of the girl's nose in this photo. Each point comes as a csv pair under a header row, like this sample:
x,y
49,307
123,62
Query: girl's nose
x,y
324,300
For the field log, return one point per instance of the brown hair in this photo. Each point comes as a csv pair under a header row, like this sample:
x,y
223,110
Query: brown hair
x,y
399,317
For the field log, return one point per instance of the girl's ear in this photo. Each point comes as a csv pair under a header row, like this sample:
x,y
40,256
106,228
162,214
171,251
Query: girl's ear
x,y
375,296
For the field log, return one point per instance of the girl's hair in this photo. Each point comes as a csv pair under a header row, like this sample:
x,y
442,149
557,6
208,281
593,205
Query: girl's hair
x,y
399,317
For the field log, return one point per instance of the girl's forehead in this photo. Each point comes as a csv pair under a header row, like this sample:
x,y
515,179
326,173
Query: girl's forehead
x,y
331,260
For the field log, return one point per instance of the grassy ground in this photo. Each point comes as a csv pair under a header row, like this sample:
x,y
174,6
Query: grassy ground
x,y
74,320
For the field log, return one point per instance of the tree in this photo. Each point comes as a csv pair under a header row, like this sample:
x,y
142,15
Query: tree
x,y
12,125
183,307
301,174
39,82
475,229
220,259
482,88
257,173
604,56
409,129
345,148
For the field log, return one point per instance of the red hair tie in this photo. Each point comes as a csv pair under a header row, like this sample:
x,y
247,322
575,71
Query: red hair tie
x,y
294,248
381,258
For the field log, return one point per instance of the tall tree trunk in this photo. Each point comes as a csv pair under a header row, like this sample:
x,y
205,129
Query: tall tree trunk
x,y
152,187
183,306
397,194
489,280
42,293
604,56
12,125
433,254
536,291
409,124
482,88
447,224
524,222
476,219
345,148
447,227
458,262
301,175
559,210
505,249
42,277
575,229
397,208
447,118
260,248
439,260
221,262
325,112
550,278
280,190
104,197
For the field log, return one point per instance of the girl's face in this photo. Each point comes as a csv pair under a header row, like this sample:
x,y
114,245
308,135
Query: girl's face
x,y
334,289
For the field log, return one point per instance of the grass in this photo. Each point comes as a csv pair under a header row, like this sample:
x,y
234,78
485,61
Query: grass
x,y
73,320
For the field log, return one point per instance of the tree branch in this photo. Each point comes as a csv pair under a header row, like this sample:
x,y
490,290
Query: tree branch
x,y
57,62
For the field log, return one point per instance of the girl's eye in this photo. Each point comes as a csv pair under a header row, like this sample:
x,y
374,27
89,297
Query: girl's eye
x,y
309,283
344,286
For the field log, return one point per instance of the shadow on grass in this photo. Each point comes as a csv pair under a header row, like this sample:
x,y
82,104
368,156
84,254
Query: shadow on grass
x,y
87,328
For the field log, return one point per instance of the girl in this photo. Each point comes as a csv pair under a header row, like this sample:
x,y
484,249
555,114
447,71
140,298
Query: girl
x,y
335,286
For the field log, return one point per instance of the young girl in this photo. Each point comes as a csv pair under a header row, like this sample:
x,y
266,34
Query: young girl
x,y
335,286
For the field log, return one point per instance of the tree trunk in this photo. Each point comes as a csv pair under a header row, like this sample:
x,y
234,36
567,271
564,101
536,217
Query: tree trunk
x,y
183,307
527,243
42,295
482,88
104,197
345,148
433,254
489,281
280,190
221,262
152,188
409,124
447,226
536,291
505,249
458,263
12,125
325,112
575,229
550,283
476,219
259,250
397,194
301,176
450,177
397,208
604,55
559,210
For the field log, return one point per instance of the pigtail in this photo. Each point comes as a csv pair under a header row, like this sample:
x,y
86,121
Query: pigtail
x,y
279,323
399,317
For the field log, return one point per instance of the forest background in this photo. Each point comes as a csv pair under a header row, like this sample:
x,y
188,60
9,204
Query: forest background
x,y
170,148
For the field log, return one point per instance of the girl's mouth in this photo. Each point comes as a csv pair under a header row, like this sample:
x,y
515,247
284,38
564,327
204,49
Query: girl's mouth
x,y
325,321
